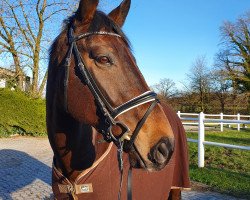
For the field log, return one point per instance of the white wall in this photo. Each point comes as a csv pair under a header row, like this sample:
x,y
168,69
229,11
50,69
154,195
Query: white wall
x,y
2,83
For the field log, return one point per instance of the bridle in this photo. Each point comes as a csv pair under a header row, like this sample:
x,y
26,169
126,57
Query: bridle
x,y
108,113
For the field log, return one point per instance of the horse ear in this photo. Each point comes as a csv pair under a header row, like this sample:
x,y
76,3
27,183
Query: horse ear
x,y
86,10
119,14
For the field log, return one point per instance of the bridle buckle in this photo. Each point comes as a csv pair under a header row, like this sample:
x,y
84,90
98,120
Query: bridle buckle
x,y
124,131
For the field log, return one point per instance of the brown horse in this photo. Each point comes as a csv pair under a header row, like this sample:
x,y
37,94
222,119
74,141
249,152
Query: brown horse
x,y
94,91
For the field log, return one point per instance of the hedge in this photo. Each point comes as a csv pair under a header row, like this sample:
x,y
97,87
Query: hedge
x,y
20,114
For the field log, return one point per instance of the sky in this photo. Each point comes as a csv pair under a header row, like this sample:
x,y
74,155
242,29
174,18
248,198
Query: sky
x,y
167,36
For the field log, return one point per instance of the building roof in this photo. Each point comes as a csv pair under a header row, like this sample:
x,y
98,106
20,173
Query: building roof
x,y
6,73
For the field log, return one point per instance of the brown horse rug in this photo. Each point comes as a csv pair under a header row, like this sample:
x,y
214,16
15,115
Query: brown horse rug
x,y
102,180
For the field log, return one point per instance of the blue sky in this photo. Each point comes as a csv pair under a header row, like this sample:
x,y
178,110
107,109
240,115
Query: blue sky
x,y
168,35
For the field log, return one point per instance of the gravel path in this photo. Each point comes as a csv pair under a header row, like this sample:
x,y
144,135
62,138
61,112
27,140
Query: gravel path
x,y
25,171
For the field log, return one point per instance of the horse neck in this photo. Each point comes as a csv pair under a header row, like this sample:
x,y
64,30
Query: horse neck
x,y
72,143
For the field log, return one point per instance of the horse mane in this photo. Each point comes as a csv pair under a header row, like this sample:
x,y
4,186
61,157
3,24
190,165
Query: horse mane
x,y
100,21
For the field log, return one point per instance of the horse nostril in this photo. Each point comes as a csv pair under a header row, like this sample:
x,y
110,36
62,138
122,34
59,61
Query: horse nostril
x,y
162,151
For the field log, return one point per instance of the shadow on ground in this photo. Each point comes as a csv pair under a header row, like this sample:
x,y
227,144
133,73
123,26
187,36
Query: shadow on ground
x,y
18,172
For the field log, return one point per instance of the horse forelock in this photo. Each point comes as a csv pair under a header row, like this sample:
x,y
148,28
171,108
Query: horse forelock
x,y
100,22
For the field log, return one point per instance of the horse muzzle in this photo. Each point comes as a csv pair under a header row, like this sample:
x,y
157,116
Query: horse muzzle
x,y
157,158
161,153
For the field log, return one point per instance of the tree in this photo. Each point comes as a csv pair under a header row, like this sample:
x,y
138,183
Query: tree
x,y
25,33
234,57
221,87
200,81
166,88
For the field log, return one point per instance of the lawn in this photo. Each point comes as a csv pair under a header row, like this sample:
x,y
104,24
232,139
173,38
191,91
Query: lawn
x,y
226,170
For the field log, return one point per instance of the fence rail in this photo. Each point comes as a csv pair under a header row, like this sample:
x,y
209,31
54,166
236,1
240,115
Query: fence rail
x,y
203,119
222,119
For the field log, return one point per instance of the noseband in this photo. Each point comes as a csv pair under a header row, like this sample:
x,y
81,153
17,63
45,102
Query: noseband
x,y
109,114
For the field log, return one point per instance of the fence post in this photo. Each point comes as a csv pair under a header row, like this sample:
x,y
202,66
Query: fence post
x,y
238,125
179,114
221,124
201,137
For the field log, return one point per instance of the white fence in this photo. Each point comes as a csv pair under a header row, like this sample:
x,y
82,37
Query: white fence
x,y
201,119
192,119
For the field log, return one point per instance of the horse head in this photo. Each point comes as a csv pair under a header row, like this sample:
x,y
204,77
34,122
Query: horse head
x,y
104,88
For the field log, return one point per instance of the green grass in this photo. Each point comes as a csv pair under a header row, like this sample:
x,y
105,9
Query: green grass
x,y
226,170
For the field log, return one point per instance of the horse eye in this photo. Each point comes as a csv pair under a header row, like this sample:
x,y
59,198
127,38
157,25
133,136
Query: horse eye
x,y
103,60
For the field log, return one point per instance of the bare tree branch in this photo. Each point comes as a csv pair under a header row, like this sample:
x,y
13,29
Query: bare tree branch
x,y
25,34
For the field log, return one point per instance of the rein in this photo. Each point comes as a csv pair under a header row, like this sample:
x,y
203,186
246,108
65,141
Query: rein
x,y
109,114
